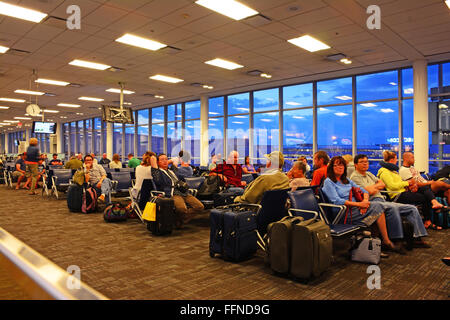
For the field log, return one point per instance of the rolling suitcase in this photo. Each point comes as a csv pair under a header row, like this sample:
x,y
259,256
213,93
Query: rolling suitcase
x,y
75,198
165,217
311,248
233,233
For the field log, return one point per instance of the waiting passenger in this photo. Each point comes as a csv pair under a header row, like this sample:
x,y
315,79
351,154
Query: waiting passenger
x,y
247,167
337,188
55,161
407,191
320,162
20,172
32,163
297,176
41,172
80,157
407,171
95,175
143,171
305,161
74,163
272,179
165,180
132,161
393,210
350,165
115,163
185,170
214,159
104,159
230,172
95,161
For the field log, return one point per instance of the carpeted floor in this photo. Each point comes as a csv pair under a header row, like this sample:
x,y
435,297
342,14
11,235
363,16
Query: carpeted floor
x,y
124,261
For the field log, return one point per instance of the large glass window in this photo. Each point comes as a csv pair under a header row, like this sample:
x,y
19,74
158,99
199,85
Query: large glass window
x,y
192,109
297,133
192,140
142,140
433,77
117,134
238,136
446,74
239,103
266,135
377,128
334,130
334,91
407,82
216,106
142,117
158,138
265,100
73,134
375,86
129,141
97,137
174,112
215,136
298,96
408,125
157,115
173,138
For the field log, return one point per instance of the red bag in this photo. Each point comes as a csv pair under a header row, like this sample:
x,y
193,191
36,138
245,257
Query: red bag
x,y
359,197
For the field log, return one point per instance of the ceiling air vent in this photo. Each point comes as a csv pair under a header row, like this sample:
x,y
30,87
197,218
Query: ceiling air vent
x,y
115,69
18,52
55,22
336,57
170,50
255,73
257,20
74,85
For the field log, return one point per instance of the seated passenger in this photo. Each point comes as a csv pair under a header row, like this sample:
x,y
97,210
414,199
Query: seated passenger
x,y
305,161
272,179
407,171
350,165
95,161
115,163
165,180
73,163
214,159
55,161
95,175
230,172
104,159
320,162
247,167
337,188
143,171
132,161
297,176
393,210
185,170
19,173
407,191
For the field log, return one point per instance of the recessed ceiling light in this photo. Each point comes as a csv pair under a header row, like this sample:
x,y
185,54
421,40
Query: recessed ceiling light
x,y
140,42
265,75
3,107
51,111
53,82
3,49
11,121
118,91
229,8
34,93
346,61
69,105
12,100
159,97
90,65
208,87
21,13
221,63
165,78
22,118
447,2
309,43
91,99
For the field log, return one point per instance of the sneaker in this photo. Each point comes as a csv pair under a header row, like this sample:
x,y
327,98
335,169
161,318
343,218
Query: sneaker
x,y
101,198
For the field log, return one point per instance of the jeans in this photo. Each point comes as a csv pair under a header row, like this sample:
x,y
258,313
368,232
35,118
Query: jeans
x,y
105,189
236,191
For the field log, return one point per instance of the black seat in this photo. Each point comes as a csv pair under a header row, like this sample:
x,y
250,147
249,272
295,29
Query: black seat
x,y
121,181
61,180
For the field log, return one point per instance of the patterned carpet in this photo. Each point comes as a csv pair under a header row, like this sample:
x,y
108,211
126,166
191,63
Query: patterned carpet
x,y
124,261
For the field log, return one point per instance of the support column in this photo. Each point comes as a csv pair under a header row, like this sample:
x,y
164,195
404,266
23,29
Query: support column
x,y
204,137
109,139
6,142
421,145
59,137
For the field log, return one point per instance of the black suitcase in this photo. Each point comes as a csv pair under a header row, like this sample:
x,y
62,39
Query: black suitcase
x,y
233,233
75,198
165,217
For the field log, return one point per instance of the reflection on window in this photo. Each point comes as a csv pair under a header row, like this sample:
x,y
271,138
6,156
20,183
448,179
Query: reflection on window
x,y
174,112
375,86
265,100
158,138
117,134
433,77
157,115
238,136
298,96
192,109
129,140
408,82
97,123
297,134
408,125
334,130
266,135
377,128
192,140
334,91
216,106
142,140
239,103
97,137
142,117
215,136
173,139
446,74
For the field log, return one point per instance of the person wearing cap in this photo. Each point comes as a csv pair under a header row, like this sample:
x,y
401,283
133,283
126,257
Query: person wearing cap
x,y
272,179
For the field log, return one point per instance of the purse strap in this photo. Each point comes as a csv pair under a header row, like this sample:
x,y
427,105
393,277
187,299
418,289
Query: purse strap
x,y
350,198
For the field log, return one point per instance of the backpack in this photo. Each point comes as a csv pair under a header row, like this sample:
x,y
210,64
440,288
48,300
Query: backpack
x,y
79,177
89,200
211,185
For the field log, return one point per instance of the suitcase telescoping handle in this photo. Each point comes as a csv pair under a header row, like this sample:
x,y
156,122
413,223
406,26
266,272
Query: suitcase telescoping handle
x,y
239,205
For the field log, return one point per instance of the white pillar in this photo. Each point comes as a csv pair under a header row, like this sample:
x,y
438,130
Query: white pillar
x,y
59,137
6,142
204,137
421,145
109,139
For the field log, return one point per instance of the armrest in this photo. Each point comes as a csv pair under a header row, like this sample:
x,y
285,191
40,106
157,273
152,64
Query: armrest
x,y
133,182
302,210
157,193
339,215
193,192
54,178
114,184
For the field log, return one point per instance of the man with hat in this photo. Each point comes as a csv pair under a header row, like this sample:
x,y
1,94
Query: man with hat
x,y
272,179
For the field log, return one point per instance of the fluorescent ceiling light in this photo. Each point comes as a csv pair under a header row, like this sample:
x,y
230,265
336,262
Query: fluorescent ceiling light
x,y
53,82
140,42
3,107
34,93
346,61
22,118
11,121
265,75
341,114
309,43
224,64
118,91
388,110
368,105
230,8
343,98
90,65
12,100
165,78
447,2
90,99
68,105
21,13
291,103
51,111
3,49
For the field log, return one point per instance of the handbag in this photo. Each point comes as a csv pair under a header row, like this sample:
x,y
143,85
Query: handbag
x,y
357,193
149,213
182,186
366,250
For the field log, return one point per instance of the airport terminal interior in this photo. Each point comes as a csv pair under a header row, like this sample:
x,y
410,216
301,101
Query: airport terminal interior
x,y
211,84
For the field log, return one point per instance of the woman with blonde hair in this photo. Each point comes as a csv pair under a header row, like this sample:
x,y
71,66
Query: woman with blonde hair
x,y
350,165
115,163
32,163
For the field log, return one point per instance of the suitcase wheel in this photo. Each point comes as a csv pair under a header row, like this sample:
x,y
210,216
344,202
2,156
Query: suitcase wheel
x,y
211,254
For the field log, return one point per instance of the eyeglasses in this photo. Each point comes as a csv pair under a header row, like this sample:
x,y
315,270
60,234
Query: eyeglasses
x,y
338,165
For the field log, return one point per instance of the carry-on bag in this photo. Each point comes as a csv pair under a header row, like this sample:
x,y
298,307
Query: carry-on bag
x,y
164,216
366,250
75,198
115,212
89,204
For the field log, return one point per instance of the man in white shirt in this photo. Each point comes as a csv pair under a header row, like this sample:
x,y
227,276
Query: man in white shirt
x,y
407,171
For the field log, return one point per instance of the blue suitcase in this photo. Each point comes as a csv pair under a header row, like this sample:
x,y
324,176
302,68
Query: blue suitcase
x,y
233,232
